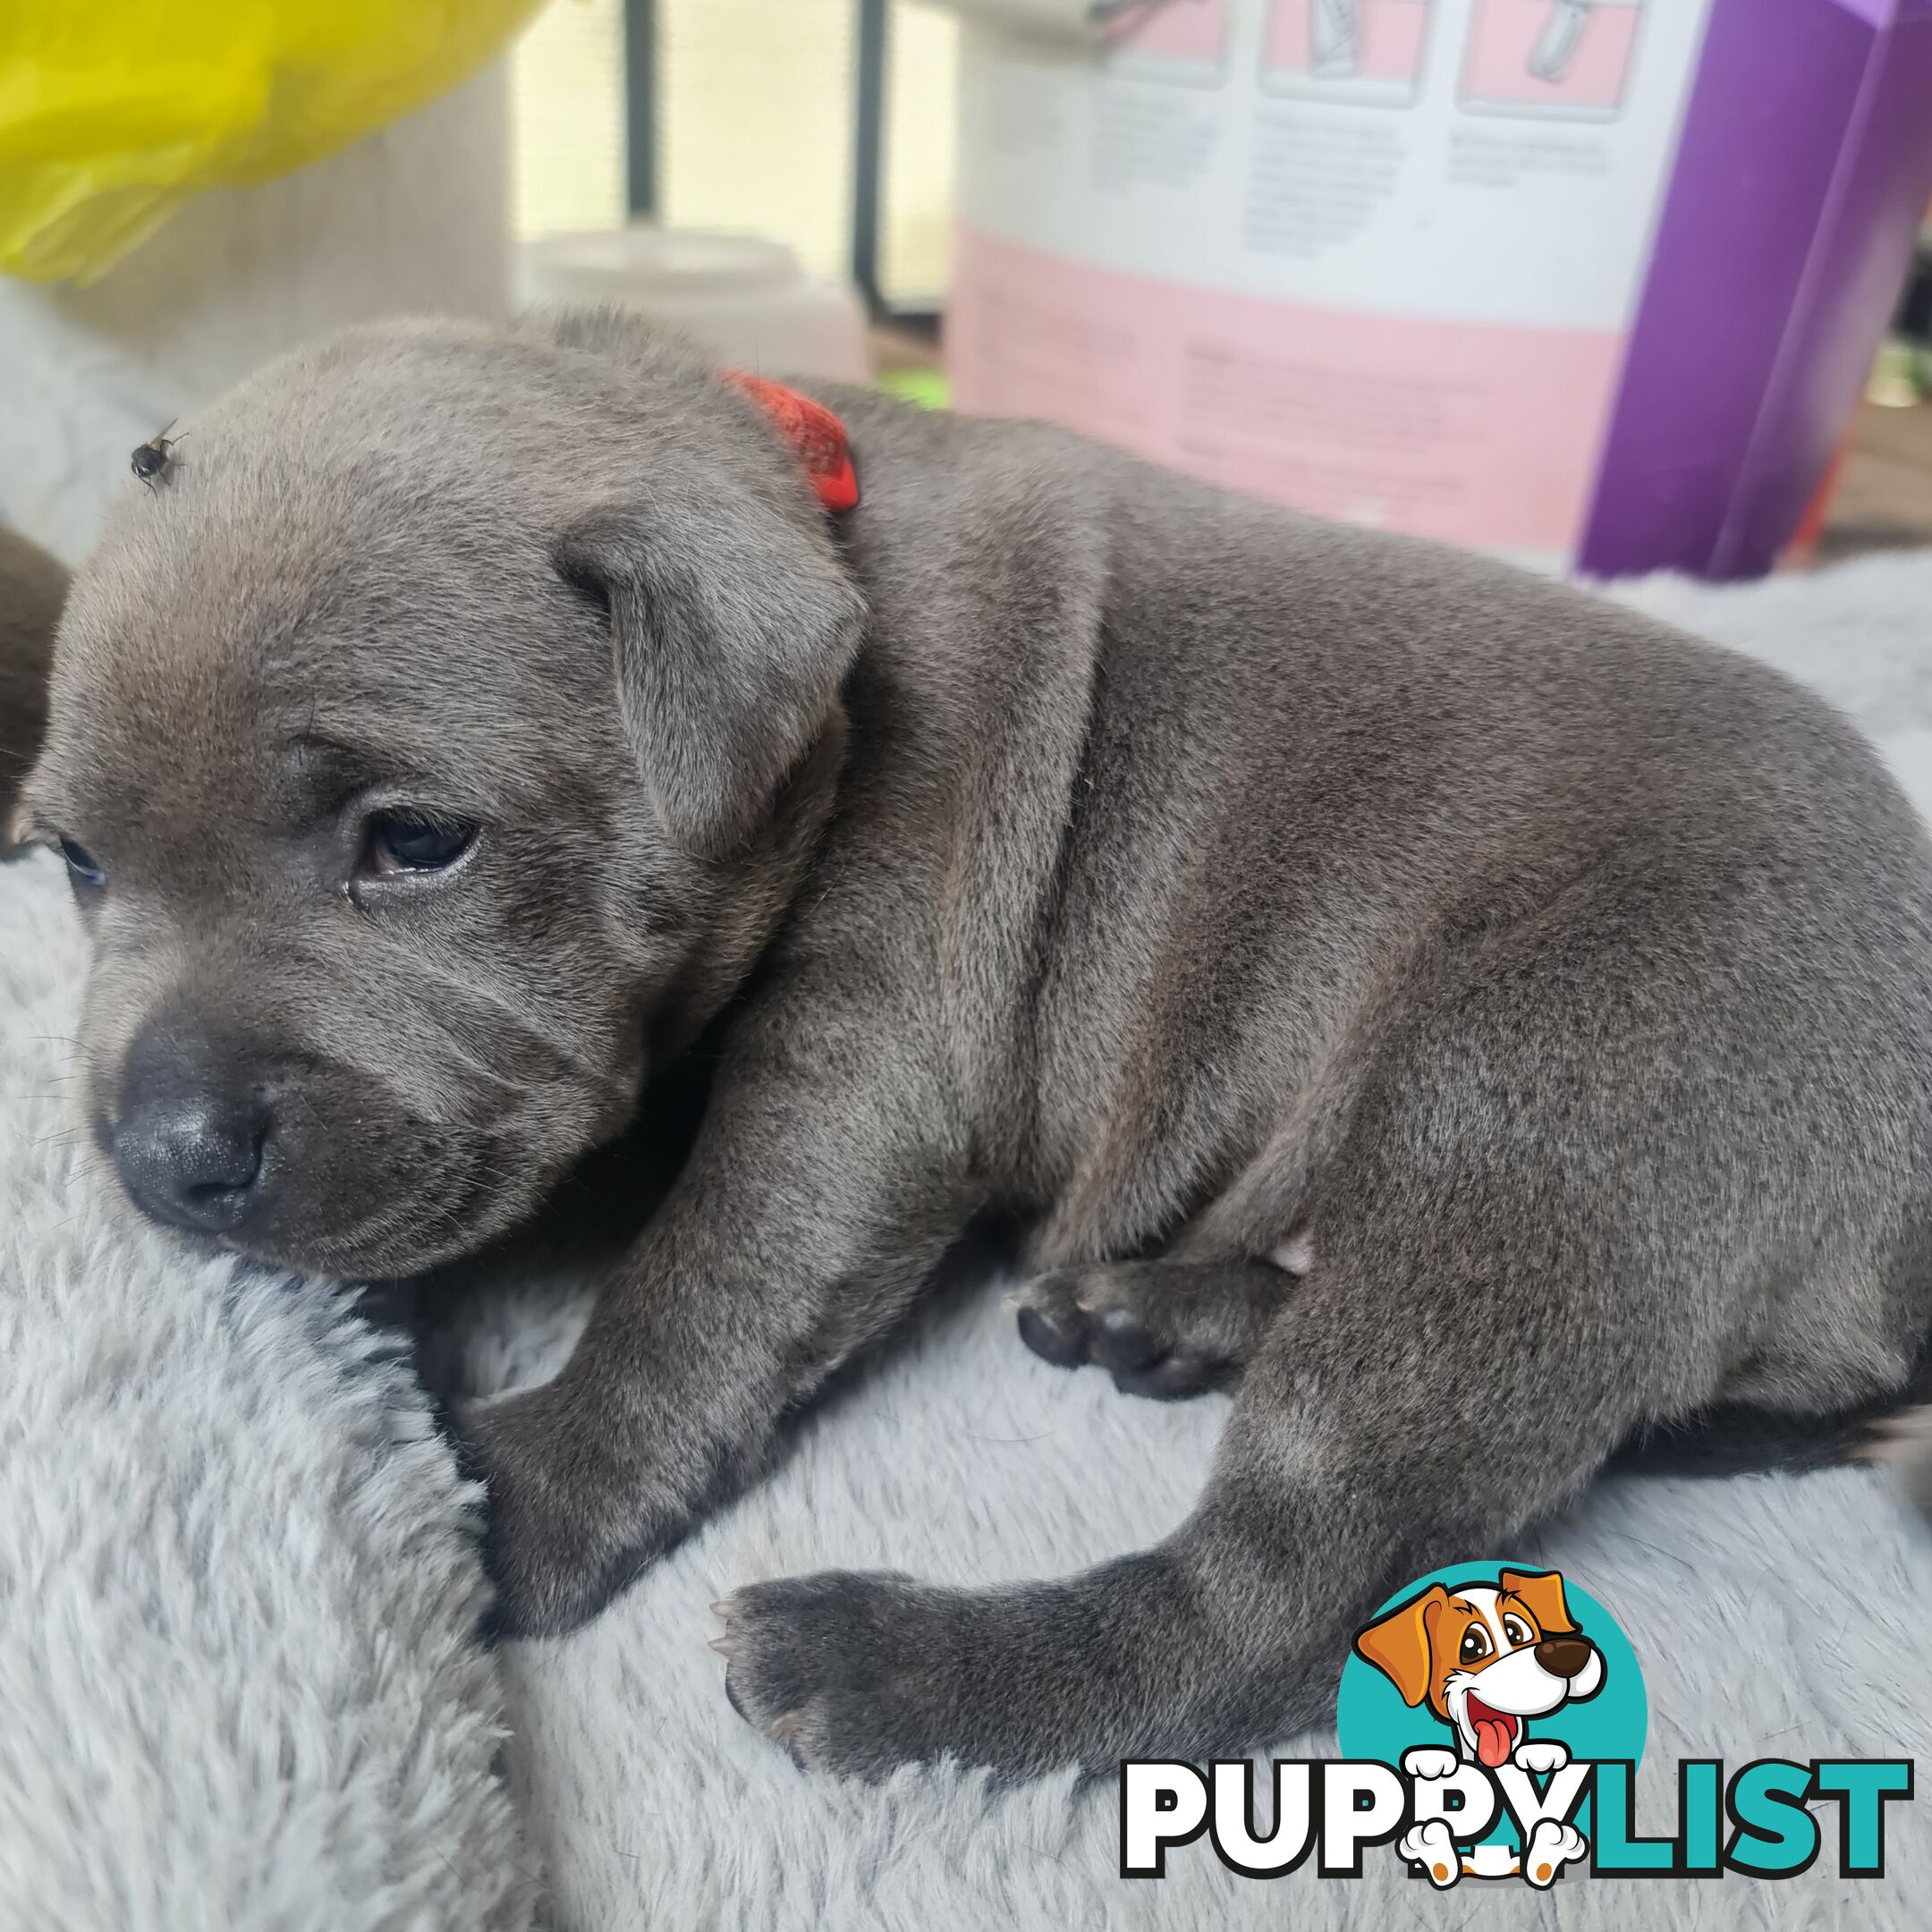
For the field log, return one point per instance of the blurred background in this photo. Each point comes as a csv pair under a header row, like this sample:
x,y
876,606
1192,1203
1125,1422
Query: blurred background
x,y
751,117
1606,285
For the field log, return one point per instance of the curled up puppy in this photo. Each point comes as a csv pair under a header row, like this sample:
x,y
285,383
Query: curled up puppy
x,y
1471,1019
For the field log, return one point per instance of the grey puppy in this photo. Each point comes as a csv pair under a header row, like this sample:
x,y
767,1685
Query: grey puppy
x,y
32,588
1479,1020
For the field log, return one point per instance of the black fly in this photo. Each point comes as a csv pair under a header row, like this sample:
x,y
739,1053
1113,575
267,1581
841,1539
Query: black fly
x,y
152,459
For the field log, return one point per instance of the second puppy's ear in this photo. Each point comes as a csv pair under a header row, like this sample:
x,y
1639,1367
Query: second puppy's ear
x,y
732,628
32,588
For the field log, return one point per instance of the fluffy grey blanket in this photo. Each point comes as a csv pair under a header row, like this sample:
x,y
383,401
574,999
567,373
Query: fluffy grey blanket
x,y
239,1685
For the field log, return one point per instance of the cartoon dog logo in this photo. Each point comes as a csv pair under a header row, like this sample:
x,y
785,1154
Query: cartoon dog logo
x,y
1485,1658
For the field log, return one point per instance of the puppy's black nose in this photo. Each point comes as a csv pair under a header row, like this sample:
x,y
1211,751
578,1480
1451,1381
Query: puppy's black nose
x,y
1564,1656
189,1163
188,1143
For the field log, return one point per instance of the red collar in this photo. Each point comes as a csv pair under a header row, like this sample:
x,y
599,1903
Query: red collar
x,y
813,431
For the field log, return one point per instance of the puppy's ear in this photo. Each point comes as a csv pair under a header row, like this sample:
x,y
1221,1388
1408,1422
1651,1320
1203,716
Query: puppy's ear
x,y
731,631
1398,1644
1543,1592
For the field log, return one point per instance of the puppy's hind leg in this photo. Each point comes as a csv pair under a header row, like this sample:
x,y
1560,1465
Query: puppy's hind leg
x,y
1422,1407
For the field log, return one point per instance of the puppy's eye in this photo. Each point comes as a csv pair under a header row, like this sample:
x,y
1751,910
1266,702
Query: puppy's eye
x,y
1476,1645
1517,1631
80,867
403,842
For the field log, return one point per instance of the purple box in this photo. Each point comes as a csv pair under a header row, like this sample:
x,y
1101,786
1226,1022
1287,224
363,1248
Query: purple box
x,y
1801,178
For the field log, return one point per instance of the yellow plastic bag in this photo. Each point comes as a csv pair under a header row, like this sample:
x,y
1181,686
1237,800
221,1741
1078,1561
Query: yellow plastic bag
x,y
114,112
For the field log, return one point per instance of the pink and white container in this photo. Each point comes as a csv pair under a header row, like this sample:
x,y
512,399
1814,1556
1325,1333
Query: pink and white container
x,y
1594,282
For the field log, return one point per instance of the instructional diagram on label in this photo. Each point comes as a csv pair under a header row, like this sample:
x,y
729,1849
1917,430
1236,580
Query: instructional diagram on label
x,y
1181,41
1541,59
1560,59
1367,51
1377,258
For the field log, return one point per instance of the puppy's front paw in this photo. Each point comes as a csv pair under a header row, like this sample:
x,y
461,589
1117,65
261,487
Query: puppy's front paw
x,y
840,1668
1539,1755
858,1673
1430,1761
559,1539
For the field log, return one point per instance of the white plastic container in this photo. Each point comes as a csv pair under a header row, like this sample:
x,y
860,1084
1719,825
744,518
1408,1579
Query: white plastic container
x,y
749,301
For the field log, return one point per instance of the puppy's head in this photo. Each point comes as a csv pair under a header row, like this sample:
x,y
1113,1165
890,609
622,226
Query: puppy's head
x,y
1486,1656
432,750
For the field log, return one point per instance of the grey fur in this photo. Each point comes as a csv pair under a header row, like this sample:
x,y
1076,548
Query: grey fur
x,y
1052,838
32,588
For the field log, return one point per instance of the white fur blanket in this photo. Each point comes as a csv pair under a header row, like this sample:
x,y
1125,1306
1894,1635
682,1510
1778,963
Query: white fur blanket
x,y
239,1686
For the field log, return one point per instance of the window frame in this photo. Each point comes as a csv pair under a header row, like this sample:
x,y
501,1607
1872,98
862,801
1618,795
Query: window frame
x,y
870,108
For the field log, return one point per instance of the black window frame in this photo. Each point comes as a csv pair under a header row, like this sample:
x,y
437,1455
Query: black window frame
x,y
871,106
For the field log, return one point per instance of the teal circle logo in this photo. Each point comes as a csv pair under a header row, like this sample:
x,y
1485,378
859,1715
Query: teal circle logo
x,y
1482,1659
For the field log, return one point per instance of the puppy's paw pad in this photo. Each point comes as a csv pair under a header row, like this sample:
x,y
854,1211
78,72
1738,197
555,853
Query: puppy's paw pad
x,y
1539,1755
1146,1323
1430,1761
1060,1338
1176,1378
1124,1343
1075,1315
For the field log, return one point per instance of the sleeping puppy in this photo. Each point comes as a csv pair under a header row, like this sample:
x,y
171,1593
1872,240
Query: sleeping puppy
x,y
473,720
32,586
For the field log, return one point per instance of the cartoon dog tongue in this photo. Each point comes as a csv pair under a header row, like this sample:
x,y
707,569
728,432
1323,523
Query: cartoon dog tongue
x,y
1493,1732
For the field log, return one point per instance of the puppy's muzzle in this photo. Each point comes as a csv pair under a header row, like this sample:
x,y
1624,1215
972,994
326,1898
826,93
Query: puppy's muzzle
x,y
188,1137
